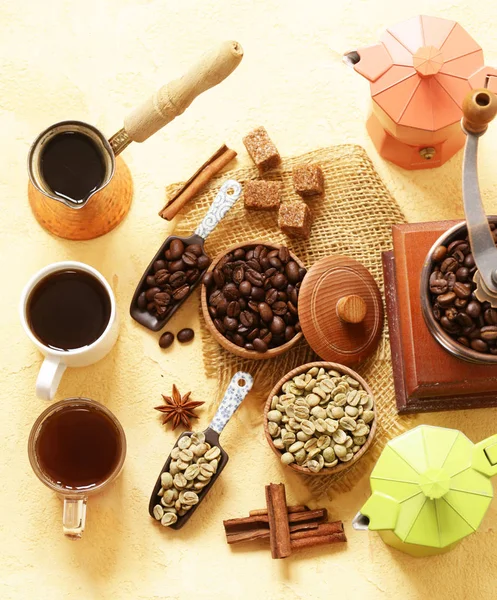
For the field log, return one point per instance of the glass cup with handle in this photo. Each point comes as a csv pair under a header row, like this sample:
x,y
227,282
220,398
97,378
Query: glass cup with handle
x,y
76,448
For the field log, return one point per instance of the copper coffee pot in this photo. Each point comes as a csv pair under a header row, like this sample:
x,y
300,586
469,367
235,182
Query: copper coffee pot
x,y
106,206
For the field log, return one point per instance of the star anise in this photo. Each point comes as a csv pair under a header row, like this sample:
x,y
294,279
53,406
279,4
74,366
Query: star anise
x,y
179,409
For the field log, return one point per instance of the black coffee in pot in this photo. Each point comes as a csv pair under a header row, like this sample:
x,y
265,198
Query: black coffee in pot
x,y
72,166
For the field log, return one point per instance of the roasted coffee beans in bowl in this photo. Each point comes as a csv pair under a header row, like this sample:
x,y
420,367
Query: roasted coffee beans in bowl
x,y
458,316
320,418
250,299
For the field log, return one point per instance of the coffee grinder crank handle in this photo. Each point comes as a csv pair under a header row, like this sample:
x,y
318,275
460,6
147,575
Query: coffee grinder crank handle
x,y
479,109
176,96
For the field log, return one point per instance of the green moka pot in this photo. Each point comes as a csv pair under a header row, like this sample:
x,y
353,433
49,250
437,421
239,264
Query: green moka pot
x,y
430,489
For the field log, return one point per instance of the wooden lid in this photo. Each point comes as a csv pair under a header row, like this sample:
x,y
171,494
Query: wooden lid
x,y
340,310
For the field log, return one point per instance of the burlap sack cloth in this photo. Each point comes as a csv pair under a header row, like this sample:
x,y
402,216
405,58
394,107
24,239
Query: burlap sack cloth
x,y
355,219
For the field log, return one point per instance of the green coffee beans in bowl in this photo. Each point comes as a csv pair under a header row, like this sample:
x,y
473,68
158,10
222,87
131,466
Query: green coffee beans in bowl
x,y
320,418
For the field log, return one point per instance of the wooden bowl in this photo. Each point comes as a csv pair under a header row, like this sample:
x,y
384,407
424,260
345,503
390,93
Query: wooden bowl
x,y
226,344
341,466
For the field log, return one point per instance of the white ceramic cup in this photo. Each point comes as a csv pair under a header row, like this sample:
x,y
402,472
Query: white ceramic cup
x,y
56,361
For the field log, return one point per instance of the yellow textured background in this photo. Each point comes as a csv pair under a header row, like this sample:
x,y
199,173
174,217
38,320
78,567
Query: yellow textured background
x,y
94,60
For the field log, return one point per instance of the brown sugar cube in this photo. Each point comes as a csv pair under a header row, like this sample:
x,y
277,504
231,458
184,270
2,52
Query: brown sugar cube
x,y
262,195
308,180
295,219
262,150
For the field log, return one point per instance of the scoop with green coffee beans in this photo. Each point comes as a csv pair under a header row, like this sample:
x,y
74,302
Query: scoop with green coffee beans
x,y
320,418
193,463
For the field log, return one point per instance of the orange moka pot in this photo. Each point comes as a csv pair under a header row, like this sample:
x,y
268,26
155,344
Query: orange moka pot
x,y
419,74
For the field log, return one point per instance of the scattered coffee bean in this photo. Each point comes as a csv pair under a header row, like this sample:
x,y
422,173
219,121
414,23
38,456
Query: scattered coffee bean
x,y
185,335
253,295
471,322
166,339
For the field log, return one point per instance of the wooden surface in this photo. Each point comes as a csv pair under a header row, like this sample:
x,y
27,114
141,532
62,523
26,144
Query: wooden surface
x,y
225,343
176,96
341,466
331,337
102,213
427,377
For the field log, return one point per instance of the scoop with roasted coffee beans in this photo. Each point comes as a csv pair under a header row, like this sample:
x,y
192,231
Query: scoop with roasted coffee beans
x,y
454,304
178,266
172,278
252,297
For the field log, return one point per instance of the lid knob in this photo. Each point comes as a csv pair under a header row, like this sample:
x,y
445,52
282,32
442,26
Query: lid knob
x,y
428,61
352,308
434,483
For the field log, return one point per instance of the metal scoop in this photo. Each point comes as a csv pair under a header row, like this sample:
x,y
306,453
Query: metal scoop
x,y
238,388
228,194
479,108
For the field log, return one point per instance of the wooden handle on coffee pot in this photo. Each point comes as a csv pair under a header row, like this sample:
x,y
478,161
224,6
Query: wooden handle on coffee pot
x,y
176,96
479,109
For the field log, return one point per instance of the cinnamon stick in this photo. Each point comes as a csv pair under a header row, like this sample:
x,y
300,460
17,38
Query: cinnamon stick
x,y
310,542
263,533
320,514
320,530
197,182
291,509
242,524
279,530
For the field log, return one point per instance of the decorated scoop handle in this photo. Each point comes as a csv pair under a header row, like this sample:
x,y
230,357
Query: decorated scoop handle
x,y
226,197
239,387
485,456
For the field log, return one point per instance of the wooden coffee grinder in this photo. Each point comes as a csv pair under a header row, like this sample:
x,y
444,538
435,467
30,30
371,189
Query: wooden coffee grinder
x,y
432,370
